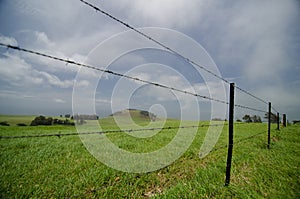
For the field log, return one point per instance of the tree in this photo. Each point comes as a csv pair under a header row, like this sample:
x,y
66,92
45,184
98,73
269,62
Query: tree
x,y
273,117
41,120
63,122
144,113
247,118
256,119
67,115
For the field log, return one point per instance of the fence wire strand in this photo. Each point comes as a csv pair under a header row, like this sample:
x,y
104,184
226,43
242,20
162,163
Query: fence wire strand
x,y
59,135
94,190
248,93
171,50
68,61
240,140
109,131
154,40
249,108
113,73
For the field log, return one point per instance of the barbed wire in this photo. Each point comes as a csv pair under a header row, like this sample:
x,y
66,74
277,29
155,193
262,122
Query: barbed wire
x,y
94,190
239,141
273,108
250,108
68,61
258,98
249,137
154,40
108,131
115,131
248,93
112,72
169,49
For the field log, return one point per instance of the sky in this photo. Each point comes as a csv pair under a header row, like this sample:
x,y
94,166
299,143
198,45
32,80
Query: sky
x,y
254,44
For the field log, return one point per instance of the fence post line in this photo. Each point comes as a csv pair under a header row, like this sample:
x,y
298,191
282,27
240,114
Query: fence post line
x,y
269,125
230,133
284,120
278,121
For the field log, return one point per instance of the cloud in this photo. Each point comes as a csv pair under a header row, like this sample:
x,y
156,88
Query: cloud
x,y
16,71
32,69
255,43
281,96
20,73
167,13
55,81
8,40
59,100
43,39
252,36
102,101
6,94
40,42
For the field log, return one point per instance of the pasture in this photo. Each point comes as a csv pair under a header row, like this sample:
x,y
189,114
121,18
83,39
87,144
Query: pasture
x,y
53,167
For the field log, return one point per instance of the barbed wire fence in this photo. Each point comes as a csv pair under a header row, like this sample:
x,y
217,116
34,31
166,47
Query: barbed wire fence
x,y
72,62
230,103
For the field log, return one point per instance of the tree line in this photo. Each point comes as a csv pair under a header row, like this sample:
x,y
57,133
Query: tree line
x,y
257,119
47,121
69,121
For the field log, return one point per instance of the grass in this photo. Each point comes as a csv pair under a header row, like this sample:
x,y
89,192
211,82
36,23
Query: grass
x,y
13,120
52,167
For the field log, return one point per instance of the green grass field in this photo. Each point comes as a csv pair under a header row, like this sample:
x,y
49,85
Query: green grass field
x,y
13,120
52,167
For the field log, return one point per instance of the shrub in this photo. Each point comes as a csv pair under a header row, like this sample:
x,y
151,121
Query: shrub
x,y
63,122
5,123
21,124
145,113
41,120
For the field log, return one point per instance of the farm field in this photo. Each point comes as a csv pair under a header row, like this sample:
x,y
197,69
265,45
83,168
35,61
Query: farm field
x,y
61,167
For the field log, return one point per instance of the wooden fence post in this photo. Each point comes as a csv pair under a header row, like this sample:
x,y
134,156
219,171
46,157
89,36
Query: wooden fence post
x,y
230,134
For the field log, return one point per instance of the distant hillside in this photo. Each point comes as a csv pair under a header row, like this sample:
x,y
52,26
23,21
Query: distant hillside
x,y
136,114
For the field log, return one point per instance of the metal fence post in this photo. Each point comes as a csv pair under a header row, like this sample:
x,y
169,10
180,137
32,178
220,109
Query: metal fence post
x,y
284,120
278,121
230,134
269,125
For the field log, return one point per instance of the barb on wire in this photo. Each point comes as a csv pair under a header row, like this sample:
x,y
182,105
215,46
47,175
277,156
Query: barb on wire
x,y
154,40
248,93
168,48
249,108
59,135
113,73
239,141
108,131
67,61
275,110
250,137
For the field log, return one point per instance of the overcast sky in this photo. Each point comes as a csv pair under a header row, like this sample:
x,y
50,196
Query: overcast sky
x,y
255,44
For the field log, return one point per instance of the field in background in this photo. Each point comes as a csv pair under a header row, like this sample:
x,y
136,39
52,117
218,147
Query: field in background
x,y
13,120
63,168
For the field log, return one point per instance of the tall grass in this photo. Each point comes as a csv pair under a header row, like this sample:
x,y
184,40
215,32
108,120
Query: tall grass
x,y
52,167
